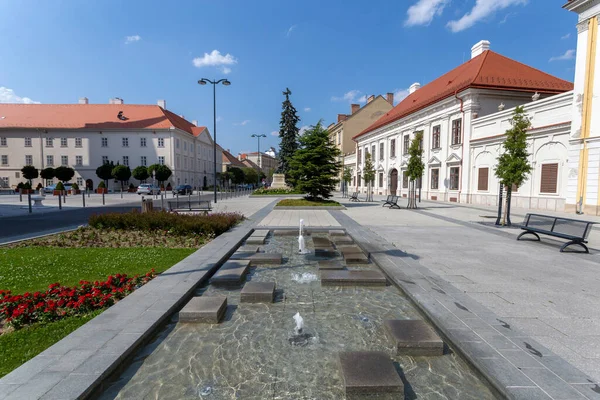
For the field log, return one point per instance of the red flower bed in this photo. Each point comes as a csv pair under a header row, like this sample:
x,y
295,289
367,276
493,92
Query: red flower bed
x,y
61,301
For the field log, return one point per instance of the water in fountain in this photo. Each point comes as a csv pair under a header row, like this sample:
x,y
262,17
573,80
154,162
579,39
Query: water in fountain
x,y
300,338
301,242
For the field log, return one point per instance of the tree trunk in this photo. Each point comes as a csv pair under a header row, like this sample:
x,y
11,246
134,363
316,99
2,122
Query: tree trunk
x,y
412,201
505,208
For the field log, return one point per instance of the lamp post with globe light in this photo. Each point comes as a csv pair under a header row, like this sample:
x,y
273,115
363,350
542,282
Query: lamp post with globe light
x,y
225,82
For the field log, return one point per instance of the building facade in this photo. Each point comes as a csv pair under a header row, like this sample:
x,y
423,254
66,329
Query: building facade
x,y
445,112
265,162
84,136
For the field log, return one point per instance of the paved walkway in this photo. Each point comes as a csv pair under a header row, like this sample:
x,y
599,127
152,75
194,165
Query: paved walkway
x,y
552,297
291,218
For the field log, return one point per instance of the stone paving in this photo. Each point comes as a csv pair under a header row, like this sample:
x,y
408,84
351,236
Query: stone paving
x,y
551,296
291,218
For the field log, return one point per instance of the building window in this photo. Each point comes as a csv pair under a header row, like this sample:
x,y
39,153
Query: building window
x,y
49,142
359,181
104,142
549,181
454,178
381,179
176,142
435,178
482,179
393,148
161,142
78,142
28,160
184,145
63,142
381,151
3,141
359,158
456,131
192,147
339,137
126,161
161,160
4,160
373,153
104,160
406,144
404,179
49,161
27,142
64,160
143,161
79,161
435,137
80,181
125,142
143,142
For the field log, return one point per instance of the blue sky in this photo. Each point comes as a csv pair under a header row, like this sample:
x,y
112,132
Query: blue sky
x,y
329,53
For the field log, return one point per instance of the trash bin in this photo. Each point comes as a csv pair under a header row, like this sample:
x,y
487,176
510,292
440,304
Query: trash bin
x,y
147,205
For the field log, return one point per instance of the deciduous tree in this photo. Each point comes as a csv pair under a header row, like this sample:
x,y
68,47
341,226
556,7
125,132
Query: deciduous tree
x,y
369,175
415,167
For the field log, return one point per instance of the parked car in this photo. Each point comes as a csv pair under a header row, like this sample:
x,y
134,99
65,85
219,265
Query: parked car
x,y
182,189
51,188
146,188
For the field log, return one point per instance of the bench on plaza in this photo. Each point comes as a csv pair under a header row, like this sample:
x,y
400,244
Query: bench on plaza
x,y
392,201
354,197
180,205
573,230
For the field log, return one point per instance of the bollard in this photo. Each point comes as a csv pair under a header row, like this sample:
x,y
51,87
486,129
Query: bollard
x,y
59,202
103,202
88,192
20,195
142,209
190,199
83,198
64,194
162,204
177,200
29,201
500,205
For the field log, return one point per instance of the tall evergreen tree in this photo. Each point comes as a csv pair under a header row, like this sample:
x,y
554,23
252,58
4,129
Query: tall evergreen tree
x,y
315,166
288,133
513,164
415,167
369,175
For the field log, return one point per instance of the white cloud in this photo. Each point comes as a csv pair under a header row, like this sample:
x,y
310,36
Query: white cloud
x,y
569,55
568,35
226,70
8,96
215,59
290,30
303,130
275,133
400,94
423,12
132,39
362,99
219,119
481,10
243,123
307,109
506,17
349,96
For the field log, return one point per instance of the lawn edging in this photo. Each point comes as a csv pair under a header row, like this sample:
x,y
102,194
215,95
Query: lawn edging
x,y
77,365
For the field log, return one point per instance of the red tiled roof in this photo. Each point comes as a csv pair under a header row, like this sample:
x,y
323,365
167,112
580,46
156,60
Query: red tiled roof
x,y
229,158
91,116
488,70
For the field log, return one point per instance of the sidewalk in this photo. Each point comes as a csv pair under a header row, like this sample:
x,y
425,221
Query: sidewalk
x,y
531,286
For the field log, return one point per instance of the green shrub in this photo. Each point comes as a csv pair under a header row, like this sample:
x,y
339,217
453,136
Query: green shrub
x,y
101,185
266,191
60,186
131,186
20,185
211,225
75,186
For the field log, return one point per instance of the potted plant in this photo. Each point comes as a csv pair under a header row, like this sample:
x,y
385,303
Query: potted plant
x,y
58,189
75,189
169,187
132,188
102,188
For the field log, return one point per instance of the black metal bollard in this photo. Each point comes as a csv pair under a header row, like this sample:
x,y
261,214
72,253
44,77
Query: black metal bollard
x,y
29,201
59,202
500,205
20,196
508,200
83,198
103,201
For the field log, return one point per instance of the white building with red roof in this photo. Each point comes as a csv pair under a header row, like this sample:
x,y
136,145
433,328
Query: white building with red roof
x,y
451,112
84,136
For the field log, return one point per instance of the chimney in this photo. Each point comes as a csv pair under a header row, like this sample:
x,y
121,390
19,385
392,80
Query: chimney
x,y
195,122
83,100
355,108
162,103
479,48
390,98
414,87
116,100
370,98
342,117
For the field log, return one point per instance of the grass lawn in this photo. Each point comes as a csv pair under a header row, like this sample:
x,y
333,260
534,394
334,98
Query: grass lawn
x,y
307,203
30,269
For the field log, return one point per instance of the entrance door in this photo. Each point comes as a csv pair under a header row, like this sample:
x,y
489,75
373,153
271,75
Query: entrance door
x,y
394,182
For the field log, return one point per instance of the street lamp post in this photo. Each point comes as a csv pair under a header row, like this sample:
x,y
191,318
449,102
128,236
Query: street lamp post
x,y
258,155
225,82
153,182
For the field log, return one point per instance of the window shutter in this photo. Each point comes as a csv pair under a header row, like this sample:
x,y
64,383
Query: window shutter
x,y
549,178
482,181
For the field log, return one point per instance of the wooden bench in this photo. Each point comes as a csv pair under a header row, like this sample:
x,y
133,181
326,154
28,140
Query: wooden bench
x,y
391,201
354,197
181,205
573,230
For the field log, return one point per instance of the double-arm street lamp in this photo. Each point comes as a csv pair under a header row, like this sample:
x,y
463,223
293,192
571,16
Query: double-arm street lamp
x,y
225,82
258,155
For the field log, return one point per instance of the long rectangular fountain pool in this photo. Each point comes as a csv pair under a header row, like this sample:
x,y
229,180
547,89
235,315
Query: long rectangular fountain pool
x,y
256,352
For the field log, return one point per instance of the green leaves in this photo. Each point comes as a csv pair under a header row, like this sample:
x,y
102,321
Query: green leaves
x,y
288,132
415,166
121,173
513,164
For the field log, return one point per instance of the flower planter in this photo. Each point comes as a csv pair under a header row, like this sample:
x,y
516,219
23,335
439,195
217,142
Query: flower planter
x,y
75,191
101,190
57,192
27,191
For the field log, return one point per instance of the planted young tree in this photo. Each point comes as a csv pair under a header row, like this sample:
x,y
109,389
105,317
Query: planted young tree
x,y
237,175
415,167
47,173
347,178
162,172
369,175
29,172
64,174
141,173
250,175
513,164
122,173
315,166
104,172
288,133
